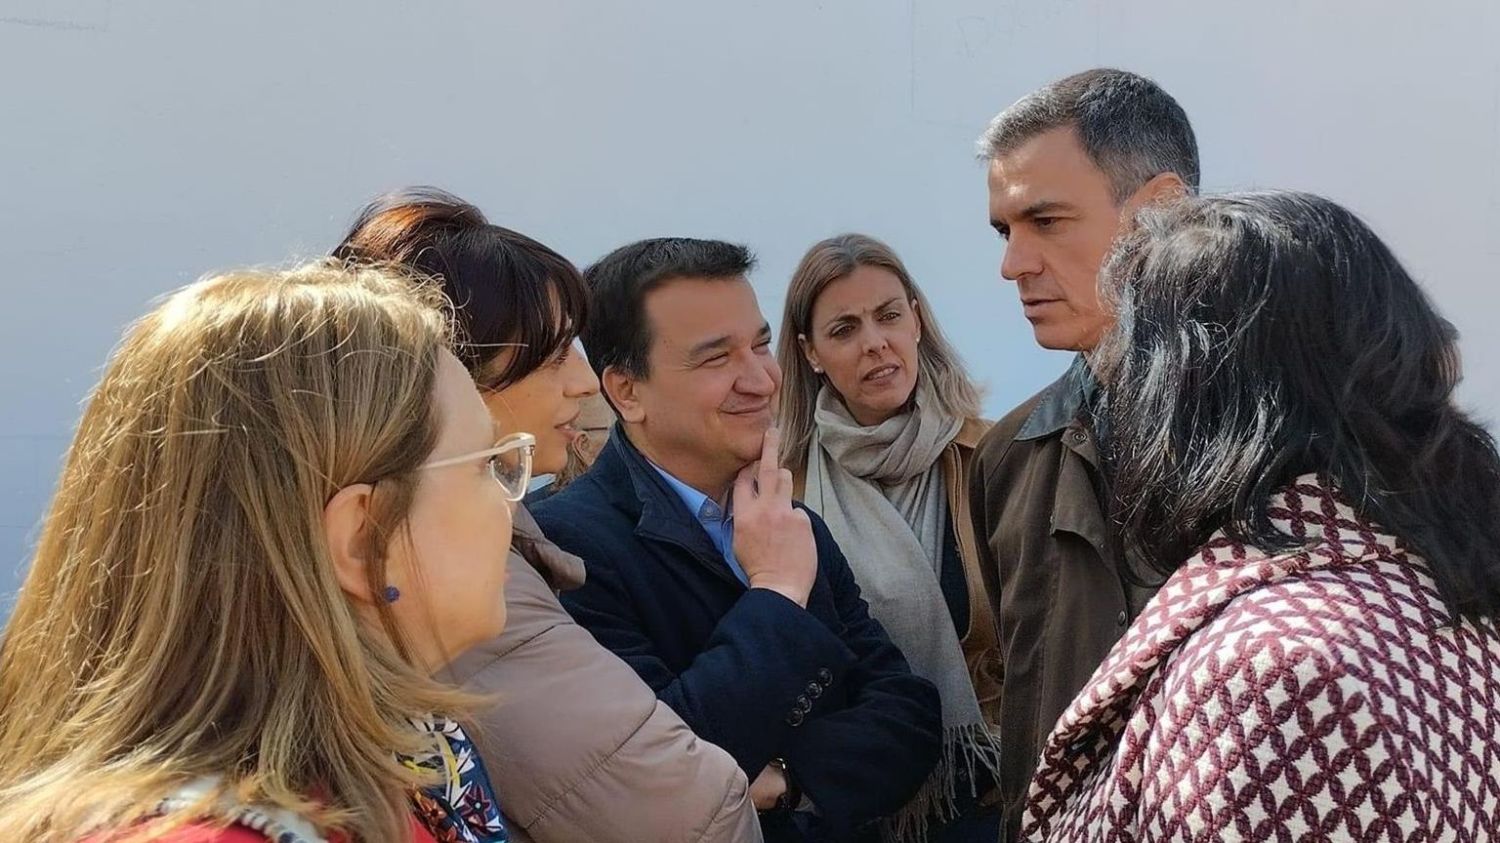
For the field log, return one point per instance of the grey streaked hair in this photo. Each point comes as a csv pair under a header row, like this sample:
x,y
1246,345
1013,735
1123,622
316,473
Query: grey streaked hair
x,y
1264,336
826,262
1129,127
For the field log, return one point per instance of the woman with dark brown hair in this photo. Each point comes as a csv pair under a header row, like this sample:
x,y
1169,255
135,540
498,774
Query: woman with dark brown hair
x,y
1277,420
580,746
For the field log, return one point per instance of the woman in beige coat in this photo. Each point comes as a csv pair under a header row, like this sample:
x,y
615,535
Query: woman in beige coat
x,y
581,748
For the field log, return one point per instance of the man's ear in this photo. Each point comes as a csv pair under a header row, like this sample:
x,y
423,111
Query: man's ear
x,y
346,527
1163,187
621,389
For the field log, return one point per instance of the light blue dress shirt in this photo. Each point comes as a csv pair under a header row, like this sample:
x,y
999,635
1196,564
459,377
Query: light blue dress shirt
x,y
718,523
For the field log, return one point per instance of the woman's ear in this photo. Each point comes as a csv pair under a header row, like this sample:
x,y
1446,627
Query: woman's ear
x,y
346,527
916,313
621,389
807,352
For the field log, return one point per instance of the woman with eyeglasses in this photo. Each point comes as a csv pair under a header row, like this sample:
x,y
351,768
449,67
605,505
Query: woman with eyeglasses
x,y
283,508
579,745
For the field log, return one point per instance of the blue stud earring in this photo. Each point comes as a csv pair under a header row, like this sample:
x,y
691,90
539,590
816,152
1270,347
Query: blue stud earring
x,y
391,594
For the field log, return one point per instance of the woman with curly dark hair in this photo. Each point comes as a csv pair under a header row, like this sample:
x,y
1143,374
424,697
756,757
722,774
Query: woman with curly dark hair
x,y
1278,425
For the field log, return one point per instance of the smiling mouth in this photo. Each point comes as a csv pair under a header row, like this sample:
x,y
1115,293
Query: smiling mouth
x,y
752,411
881,372
569,427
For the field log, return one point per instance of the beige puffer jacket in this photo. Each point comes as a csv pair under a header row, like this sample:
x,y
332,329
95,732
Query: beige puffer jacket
x,y
577,746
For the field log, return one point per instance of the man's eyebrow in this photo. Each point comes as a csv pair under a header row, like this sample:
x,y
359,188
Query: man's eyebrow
x,y
1035,209
706,346
1045,206
724,341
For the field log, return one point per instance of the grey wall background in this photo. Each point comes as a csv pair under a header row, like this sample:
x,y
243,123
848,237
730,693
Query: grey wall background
x,y
146,142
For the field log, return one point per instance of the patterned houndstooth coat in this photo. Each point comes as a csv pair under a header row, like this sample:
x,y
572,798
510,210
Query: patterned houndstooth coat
x,y
1323,694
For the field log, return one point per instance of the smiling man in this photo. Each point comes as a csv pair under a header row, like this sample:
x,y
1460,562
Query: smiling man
x,y
1068,166
733,603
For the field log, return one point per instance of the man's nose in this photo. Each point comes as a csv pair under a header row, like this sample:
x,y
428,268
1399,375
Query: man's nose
x,y
759,378
1021,259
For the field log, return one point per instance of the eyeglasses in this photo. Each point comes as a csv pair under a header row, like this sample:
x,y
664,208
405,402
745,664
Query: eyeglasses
x,y
509,463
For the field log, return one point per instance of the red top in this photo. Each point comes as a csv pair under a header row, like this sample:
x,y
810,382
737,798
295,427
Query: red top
x,y
205,833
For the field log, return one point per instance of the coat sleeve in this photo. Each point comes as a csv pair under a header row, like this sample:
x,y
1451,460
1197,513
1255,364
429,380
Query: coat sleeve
x,y
868,759
580,749
740,687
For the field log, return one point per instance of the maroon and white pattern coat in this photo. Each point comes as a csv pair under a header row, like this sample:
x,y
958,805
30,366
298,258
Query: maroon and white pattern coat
x,y
1322,694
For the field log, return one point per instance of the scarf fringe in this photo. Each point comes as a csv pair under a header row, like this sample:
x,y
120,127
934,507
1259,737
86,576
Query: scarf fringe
x,y
936,802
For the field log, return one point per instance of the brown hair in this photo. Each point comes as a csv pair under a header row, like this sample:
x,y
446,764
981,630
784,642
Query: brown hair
x,y
825,263
509,290
181,617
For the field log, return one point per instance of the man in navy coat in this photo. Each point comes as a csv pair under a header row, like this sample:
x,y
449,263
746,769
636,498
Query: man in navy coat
x,y
732,602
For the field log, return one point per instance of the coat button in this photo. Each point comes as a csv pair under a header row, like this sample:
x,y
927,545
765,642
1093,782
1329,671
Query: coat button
x,y
1121,618
795,718
804,704
814,690
1078,437
825,676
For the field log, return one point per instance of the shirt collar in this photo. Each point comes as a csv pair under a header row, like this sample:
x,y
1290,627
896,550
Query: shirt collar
x,y
703,508
1064,402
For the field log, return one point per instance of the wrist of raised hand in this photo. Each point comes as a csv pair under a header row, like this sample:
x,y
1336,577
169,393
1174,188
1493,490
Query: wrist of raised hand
x,y
769,789
789,795
791,592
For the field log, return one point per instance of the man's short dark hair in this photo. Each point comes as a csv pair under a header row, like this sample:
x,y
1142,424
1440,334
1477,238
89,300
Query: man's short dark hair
x,y
1129,127
620,281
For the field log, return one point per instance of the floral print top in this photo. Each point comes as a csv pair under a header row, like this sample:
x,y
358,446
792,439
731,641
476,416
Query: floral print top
x,y
463,809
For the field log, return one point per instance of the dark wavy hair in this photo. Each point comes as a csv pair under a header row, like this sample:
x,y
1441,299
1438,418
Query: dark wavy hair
x,y
508,290
1268,335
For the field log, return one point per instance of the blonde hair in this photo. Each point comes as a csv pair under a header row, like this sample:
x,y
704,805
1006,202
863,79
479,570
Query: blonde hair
x,y
181,617
825,263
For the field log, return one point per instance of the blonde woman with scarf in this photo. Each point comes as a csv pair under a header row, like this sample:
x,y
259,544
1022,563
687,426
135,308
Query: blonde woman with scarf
x,y
880,422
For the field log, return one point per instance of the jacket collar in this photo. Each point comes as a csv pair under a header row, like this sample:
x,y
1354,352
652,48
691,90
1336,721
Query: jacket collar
x,y
1063,403
971,434
636,488
1220,571
1077,505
